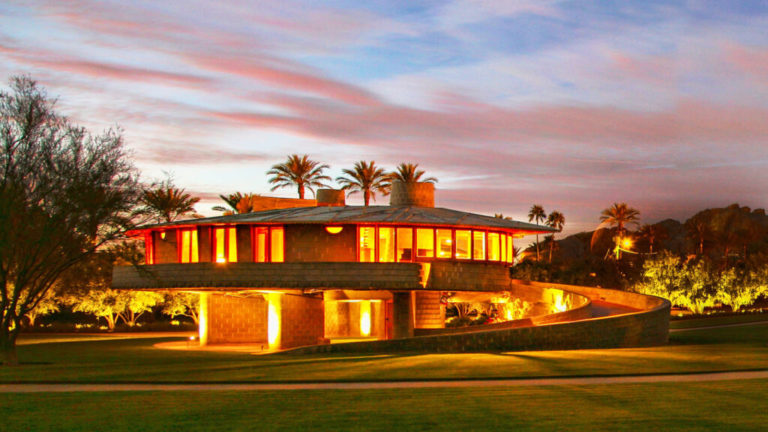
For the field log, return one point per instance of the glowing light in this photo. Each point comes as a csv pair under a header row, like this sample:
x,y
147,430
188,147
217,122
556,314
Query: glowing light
x,y
162,235
626,243
273,320
203,319
221,260
510,316
559,302
334,229
365,318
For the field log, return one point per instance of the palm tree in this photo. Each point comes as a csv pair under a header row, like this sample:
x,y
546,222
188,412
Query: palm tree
x,y
365,177
299,171
238,203
409,173
555,220
167,203
619,214
652,233
537,213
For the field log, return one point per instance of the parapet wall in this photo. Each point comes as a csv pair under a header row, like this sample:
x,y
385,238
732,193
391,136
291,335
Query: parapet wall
x,y
648,327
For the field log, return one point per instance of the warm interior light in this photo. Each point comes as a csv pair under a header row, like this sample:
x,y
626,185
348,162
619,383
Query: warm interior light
x,y
273,320
203,319
162,235
221,260
334,229
365,318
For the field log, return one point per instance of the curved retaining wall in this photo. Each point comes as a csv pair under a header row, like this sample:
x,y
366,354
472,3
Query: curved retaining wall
x,y
648,327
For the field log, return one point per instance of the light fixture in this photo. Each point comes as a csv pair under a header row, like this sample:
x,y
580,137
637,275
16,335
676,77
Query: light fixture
x,y
162,235
334,229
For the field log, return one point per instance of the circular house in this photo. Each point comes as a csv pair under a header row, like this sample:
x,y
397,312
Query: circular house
x,y
305,273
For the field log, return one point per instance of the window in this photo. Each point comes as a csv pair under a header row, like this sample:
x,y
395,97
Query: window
x,y
404,251
444,243
386,244
510,249
149,247
463,244
493,247
188,252
503,248
224,245
478,245
425,243
367,246
276,244
259,242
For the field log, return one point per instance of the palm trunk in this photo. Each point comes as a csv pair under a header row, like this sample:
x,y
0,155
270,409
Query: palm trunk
x,y
367,197
551,246
301,191
537,248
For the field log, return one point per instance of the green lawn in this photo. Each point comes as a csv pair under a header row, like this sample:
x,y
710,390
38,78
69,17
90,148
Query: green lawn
x,y
718,406
136,360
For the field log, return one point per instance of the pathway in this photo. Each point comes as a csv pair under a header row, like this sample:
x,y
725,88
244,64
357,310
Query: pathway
x,y
523,382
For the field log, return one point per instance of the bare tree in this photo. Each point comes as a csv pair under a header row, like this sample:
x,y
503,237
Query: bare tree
x,y
63,194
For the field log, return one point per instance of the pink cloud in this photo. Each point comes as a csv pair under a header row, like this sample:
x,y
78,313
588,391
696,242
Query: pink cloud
x,y
751,60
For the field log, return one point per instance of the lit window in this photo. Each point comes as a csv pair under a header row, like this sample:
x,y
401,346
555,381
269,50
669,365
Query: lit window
x,y
367,237
259,244
510,249
188,252
276,244
225,244
463,244
493,246
425,242
503,248
386,244
478,245
444,243
404,244
149,247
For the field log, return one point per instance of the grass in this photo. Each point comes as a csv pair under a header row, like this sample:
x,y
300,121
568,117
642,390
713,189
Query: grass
x,y
717,320
136,360
727,405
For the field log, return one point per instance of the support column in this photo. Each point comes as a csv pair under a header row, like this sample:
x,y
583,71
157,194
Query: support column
x,y
402,315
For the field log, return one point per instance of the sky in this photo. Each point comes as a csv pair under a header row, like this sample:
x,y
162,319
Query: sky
x,y
572,105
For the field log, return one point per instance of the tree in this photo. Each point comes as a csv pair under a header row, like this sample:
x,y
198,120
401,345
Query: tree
x,y
299,171
184,304
367,178
619,215
410,173
136,303
103,303
166,203
237,203
555,220
689,284
697,230
651,233
740,290
537,213
46,306
63,194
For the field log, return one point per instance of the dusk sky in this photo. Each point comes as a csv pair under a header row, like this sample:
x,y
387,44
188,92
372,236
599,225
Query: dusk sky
x,y
571,105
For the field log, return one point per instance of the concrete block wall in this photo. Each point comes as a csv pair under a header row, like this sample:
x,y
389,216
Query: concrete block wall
x,y
342,319
428,312
312,243
302,321
235,319
468,276
165,248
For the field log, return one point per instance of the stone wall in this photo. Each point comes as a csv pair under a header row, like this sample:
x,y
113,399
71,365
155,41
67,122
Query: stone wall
x,y
165,248
243,275
468,276
312,243
233,319
302,321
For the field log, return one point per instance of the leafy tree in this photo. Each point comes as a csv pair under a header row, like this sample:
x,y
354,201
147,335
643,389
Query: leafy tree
x,y
740,290
537,214
63,194
102,303
184,304
46,306
365,177
136,303
555,220
410,173
166,203
299,171
689,284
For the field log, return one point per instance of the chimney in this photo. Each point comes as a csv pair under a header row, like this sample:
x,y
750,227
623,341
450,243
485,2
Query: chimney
x,y
330,198
420,194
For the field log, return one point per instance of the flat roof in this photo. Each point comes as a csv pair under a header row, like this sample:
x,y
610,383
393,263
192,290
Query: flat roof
x,y
365,215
